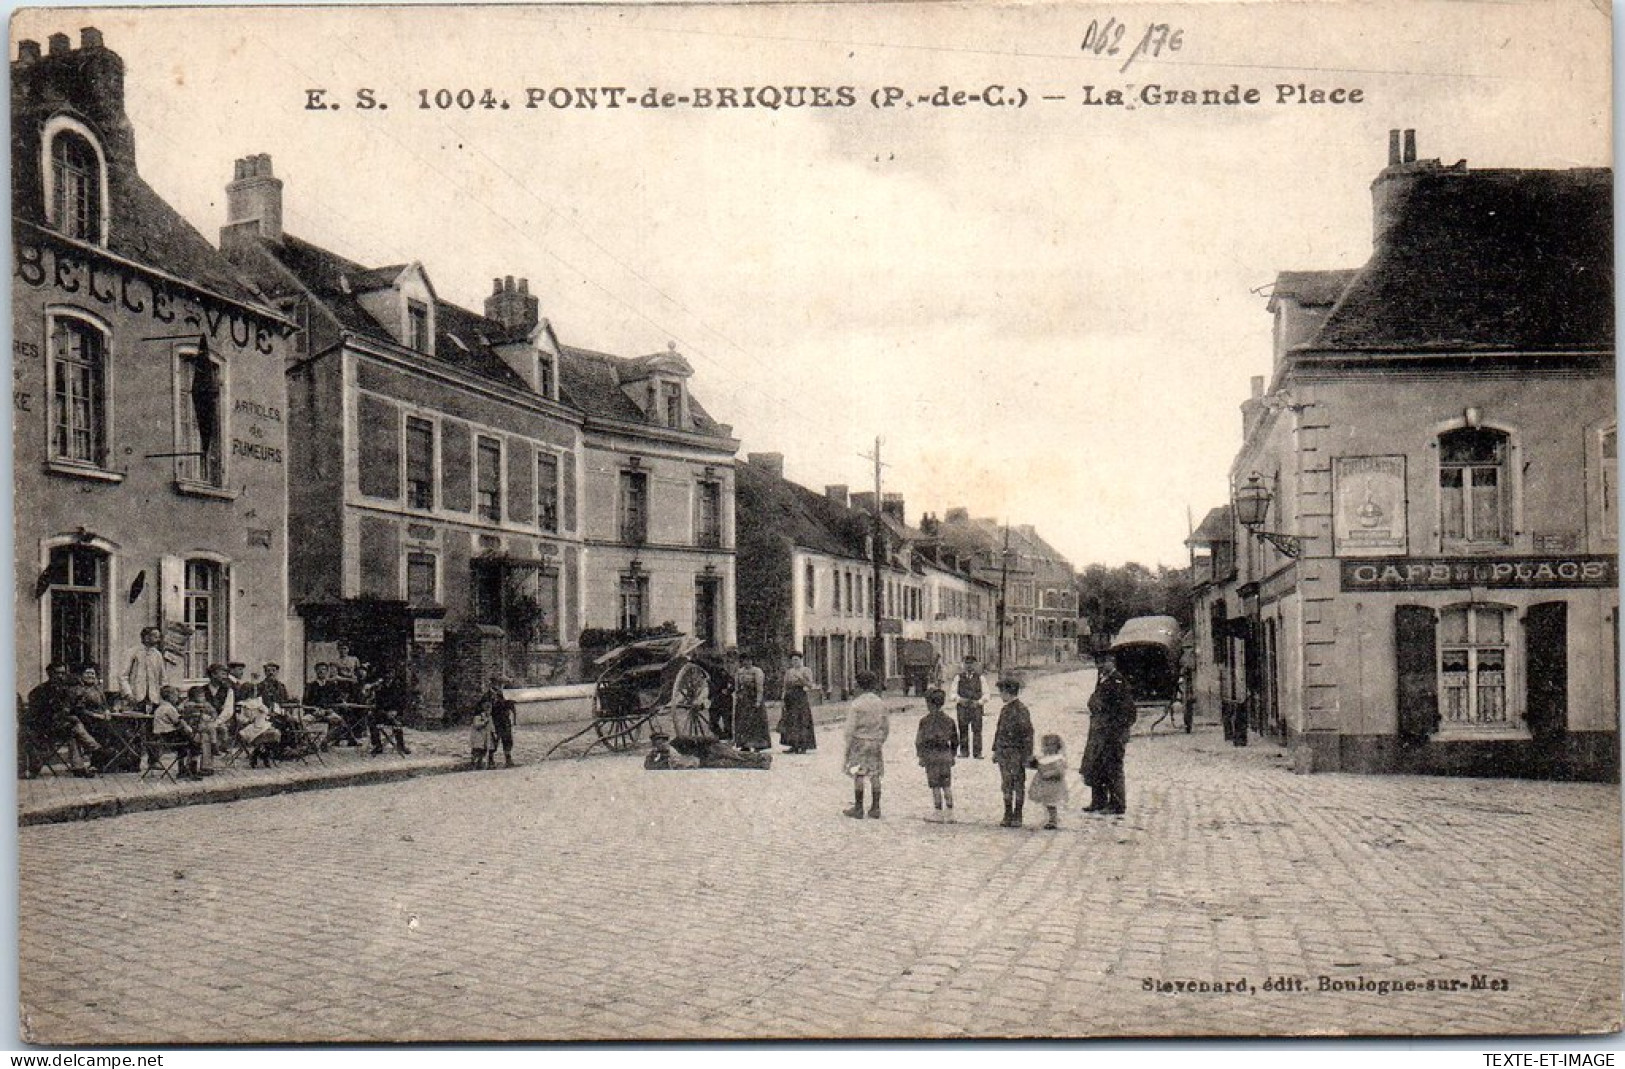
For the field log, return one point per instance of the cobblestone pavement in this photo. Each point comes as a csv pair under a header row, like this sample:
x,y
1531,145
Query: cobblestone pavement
x,y
594,899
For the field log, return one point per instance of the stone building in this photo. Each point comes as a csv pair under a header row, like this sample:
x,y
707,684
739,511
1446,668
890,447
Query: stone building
x,y
149,407
1040,602
1426,498
473,494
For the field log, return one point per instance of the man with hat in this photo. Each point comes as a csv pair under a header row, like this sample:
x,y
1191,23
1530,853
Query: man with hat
x,y
968,686
273,692
1111,719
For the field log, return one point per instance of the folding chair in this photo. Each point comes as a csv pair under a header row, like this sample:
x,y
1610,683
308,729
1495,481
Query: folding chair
x,y
163,758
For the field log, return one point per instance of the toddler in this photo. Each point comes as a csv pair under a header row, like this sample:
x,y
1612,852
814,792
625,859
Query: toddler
x,y
1049,780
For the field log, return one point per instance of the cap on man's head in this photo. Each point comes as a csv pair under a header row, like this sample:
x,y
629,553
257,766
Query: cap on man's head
x,y
1010,685
970,658
234,665
268,665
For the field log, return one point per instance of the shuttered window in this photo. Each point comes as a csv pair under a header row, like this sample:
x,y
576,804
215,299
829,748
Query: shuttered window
x,y
378,434
1415,656
1547,678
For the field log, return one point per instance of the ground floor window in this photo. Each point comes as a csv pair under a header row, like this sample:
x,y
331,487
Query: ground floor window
x,y
1473,667
204,613
521,597
76,601
707,617
634,602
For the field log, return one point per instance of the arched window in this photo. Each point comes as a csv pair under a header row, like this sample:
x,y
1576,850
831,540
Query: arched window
x,y
78,391
76,196
1474,488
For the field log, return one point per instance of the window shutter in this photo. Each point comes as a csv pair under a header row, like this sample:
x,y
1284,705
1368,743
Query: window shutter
x,y
521,482
456,465
1416,656
1546,642
567,488
171,587
378,428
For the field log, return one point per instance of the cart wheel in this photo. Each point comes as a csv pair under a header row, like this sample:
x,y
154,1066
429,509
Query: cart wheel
x,y
619,734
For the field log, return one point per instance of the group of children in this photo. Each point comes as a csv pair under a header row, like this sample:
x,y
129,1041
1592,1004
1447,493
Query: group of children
x,y
936,743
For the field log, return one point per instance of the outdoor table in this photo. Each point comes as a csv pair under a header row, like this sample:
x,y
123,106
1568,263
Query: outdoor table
x,y
124,741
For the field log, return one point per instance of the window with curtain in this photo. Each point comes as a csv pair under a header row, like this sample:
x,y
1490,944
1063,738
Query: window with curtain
x,y
78,392
203,610
1473,667
76,600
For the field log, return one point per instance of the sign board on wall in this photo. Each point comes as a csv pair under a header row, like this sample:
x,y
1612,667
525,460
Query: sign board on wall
x,y
1368,506
428,630
1455,573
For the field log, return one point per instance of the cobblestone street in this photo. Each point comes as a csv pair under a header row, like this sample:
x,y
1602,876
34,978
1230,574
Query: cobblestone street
x,y
593,899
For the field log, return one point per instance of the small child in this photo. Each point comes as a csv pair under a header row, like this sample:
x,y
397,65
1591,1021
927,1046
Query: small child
x,y
482,748
935,742
198,715
1049,781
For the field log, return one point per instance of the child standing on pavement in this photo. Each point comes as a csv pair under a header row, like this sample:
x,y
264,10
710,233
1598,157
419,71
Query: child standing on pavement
x,y
866,729
482,749
1013,749
936,742
1049,780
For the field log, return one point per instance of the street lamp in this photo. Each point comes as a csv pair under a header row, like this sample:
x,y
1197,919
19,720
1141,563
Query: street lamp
x,y
1252,504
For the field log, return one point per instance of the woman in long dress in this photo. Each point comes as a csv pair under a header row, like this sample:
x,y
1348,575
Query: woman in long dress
x,y
796,722
750,708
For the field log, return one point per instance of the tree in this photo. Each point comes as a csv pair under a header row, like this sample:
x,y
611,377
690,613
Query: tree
x,y
1107,597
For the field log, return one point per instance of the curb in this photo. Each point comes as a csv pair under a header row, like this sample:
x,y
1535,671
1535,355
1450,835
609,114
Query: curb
x,y
113,807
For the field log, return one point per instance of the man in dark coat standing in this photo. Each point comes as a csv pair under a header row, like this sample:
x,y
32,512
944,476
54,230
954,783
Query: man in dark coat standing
x,y
1111,719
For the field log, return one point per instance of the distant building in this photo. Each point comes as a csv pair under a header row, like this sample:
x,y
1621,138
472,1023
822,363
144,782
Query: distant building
x,y
1435,456
1216,621
807,584
1040,602
472,494
149,406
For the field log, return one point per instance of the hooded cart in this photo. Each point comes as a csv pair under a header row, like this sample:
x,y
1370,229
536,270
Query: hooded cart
x,y
636,684
1146,650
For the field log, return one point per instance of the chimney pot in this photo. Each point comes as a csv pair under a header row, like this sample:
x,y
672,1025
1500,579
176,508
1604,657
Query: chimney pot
x,y
496,286
1410,146
90,37
255,196
59,44
1258,386
507,284
524,285
1393,148
27,51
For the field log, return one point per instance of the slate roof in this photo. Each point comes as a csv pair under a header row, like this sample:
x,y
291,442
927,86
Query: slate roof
x,y
1484,261
462,338
592,380
808,519
1313,289
1216,526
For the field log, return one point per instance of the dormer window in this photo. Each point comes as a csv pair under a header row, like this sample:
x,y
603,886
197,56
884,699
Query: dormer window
x,y
674,404
417,326
75,181
546,376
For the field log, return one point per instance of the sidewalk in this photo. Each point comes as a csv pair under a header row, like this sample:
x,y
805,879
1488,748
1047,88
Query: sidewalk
x,y
57,799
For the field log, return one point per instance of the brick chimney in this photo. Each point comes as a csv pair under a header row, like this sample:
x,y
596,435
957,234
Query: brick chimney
x,y
1252,409
1394,183
836,492
253,201
513,306
864,502
773,463
892,505
957,514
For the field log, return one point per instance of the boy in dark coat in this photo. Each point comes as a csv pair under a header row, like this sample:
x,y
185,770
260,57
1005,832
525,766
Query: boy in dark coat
x,y
1012,749
936,742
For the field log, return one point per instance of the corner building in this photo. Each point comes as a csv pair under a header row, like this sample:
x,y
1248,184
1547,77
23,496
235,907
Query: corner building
x,y
150,414
1440,434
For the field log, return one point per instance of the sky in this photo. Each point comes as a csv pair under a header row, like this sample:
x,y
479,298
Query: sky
x,y
1049,313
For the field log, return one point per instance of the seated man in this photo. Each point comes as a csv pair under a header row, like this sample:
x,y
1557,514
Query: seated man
x,y
43,715
324,698
170,730
198,716
259,735
395,696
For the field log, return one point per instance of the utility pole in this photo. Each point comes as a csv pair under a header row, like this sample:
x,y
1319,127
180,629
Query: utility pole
x,y
877,654
1004,592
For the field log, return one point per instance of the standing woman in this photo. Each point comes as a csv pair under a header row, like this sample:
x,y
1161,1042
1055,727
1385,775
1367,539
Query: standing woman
x,y
750,708
796,722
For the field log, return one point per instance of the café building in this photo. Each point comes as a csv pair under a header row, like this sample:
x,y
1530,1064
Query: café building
x,y
148,399
1425,508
